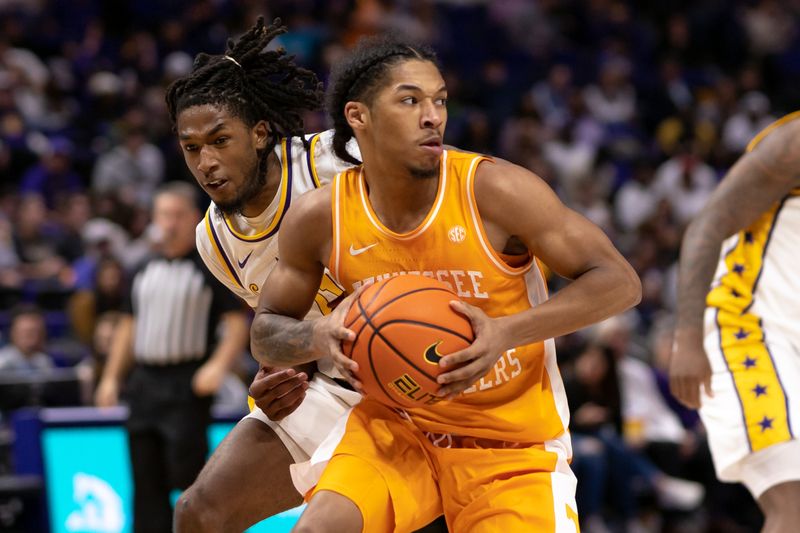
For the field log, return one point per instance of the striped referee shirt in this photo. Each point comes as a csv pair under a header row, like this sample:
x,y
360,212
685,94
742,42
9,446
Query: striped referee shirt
x,y
176,304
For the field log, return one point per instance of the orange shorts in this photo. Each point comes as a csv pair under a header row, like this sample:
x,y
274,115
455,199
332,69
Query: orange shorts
x,y
401,481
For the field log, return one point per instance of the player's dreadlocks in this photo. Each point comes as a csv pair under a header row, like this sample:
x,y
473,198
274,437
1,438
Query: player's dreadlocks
x,y
359,77
252,83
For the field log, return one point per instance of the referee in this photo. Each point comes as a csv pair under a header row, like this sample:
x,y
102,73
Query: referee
x,y
168,336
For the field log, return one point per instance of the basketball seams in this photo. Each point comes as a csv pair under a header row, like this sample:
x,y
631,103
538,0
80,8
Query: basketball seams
x,y
376,332
362,313
407,293
427,325
370,317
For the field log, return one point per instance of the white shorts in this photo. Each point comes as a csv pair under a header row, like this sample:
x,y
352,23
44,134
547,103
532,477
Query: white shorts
x,y
753,417
304,430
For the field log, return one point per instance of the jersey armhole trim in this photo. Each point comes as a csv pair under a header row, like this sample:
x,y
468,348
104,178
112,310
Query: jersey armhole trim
x,y
311,162
766,131
333,262
219,251
477,224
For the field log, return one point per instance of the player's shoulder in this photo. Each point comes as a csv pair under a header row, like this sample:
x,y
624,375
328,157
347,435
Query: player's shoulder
x,y
782,134
321,159
314,204
497,177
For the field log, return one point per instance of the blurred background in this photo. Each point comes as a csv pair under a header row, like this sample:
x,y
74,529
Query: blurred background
x,y
631,111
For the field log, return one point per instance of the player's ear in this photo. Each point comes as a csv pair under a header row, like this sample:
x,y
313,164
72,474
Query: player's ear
x,y
356,114
261,133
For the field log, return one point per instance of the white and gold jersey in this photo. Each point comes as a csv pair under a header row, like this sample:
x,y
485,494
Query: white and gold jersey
x,y
753,342
241,251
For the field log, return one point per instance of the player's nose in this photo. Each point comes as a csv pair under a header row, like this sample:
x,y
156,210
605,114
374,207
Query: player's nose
x,y
431,116
206,162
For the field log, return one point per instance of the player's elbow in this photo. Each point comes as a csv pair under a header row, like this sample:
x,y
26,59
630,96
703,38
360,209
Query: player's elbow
x,y
629,287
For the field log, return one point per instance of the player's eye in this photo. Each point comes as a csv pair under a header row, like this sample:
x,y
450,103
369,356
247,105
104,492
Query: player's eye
x,y
220,140
441,101
190,147
409,100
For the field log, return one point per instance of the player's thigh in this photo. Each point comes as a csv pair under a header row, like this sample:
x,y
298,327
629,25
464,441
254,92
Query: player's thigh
x,y
535,501
500,490
381,466
234,480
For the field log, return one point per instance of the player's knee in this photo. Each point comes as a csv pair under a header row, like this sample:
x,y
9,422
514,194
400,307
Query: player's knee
x,y
779,503
196,513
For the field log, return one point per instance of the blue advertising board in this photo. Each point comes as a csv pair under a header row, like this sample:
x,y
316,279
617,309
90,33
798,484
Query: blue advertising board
x,y
88,482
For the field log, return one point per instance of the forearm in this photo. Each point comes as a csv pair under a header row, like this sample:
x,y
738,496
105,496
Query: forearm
x,y
120,356
699,255
233,342
282,341
595,295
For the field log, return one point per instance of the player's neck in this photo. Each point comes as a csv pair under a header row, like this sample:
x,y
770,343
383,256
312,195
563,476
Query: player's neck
x,y
259,203
400,200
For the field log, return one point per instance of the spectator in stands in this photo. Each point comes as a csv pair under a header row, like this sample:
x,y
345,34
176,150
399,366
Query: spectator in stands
x,y
685,181
168,335
25,352
132,169
36,241
53,176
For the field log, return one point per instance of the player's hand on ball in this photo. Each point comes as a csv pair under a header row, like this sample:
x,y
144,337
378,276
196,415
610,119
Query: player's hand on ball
x,y
689,367
475,361
329,332
279,391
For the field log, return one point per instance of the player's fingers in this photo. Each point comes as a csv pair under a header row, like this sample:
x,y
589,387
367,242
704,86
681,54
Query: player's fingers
x,y
471,372
469,311
448,392
266,382
460,357
707,386
289,409
278,393
342,360
272,407
343,334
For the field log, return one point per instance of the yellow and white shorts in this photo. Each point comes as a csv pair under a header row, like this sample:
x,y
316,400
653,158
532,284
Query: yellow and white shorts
x,y
401,479
753,417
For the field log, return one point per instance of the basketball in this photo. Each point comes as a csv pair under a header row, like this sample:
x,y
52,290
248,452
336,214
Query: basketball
x,y
403,326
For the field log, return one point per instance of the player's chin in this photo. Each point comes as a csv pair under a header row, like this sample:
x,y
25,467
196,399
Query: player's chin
x,y
425,169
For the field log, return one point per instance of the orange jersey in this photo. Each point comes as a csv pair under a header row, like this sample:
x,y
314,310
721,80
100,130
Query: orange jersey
x,y
522,398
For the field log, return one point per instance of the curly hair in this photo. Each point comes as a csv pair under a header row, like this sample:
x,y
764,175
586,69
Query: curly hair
x,y
252,83
361,75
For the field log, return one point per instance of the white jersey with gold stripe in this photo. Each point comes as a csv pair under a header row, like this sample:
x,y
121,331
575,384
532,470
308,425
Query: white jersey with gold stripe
x,y
753,344
241,251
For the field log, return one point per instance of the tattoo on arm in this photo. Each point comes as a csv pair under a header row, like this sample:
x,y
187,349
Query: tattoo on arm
x,y
281,341
753,185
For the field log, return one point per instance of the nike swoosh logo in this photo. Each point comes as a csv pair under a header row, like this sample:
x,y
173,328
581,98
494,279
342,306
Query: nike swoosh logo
x,y
244,261
432,355
359,251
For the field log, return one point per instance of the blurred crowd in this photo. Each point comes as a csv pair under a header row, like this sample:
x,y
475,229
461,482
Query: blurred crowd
x,y
631,111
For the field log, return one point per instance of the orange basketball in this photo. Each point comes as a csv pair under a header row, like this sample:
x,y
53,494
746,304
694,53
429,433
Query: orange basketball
x,y
403,326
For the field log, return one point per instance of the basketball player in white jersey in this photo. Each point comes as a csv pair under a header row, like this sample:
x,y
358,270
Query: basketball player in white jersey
x,y
238,119
736,354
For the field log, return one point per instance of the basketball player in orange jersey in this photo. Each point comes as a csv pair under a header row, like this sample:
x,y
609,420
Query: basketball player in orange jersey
x,y
493,456
736,355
